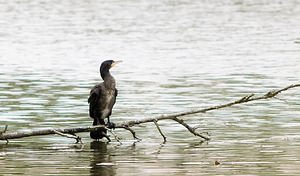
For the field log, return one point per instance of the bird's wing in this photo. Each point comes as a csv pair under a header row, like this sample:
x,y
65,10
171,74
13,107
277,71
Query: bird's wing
x,y
93,100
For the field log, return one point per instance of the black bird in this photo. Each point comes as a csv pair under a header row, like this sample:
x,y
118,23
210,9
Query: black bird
x,y
102,99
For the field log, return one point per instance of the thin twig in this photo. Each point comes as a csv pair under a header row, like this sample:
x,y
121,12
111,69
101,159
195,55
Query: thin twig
x,y
192,130
132,132
159,130
5,129
115,136
73,136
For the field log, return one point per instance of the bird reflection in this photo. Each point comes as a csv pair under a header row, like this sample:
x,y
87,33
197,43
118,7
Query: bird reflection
x,y
101,164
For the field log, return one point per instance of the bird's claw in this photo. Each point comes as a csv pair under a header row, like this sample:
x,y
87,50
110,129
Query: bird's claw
x,y
111,125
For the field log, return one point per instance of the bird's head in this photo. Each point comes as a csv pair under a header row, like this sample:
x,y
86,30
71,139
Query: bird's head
x,y
106,65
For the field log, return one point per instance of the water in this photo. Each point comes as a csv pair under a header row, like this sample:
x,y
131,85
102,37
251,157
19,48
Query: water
x,y
177,55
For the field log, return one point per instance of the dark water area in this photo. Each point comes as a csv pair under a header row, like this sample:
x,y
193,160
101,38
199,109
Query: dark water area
x,y
177,56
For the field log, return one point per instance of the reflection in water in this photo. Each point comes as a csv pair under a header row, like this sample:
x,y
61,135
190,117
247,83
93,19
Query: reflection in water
x,y
100,162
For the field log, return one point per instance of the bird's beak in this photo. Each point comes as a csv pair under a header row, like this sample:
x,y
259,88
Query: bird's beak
x,y
115,63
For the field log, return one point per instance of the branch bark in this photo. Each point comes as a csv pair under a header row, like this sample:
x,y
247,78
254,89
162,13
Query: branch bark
x,y
70,132
63,132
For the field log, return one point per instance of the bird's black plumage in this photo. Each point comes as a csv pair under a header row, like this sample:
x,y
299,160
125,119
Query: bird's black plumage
x,y
102,99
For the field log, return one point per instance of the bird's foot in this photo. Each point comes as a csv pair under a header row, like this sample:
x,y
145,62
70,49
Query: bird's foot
x,y
111,125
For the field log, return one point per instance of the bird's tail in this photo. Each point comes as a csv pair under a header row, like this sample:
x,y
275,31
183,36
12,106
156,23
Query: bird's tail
x,y
99,133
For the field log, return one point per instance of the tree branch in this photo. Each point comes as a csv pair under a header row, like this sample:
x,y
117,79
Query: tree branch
x,y
242,100
131,131
245,99
73,136
191,130
159,130
115,136
21,134
4,135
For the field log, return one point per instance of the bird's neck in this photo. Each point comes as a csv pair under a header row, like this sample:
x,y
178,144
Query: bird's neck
x,y
109,81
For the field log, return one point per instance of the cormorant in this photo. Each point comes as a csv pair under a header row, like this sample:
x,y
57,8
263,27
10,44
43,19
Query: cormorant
x,y
102,99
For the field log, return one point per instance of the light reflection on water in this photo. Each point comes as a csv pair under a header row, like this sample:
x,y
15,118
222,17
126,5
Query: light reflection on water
x,y
177,55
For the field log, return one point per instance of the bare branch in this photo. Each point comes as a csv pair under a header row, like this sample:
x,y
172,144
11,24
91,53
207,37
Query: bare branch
x,y
21,134
246,99
4,135
73,136
115,136
192,130
5,129
159,130
131,131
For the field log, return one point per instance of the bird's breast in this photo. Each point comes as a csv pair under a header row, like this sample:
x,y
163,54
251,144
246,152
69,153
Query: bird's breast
x,y
110,95
109,103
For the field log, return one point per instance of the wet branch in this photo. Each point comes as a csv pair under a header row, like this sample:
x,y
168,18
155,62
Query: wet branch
x,y
70,132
